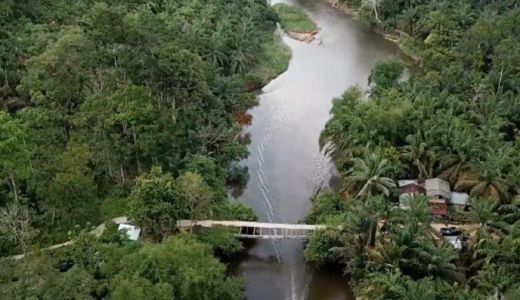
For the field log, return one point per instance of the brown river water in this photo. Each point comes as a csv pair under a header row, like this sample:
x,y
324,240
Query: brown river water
x,y
286,166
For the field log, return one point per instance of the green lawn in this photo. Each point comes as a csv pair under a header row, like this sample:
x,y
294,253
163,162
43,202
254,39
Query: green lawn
x,y
293,18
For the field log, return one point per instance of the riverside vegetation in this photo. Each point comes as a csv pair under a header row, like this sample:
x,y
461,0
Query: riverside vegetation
x,y
457,118
113,108
293,18
296,23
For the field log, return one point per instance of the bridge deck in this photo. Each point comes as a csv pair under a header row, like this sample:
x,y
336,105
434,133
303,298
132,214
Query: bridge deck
x,y
258,230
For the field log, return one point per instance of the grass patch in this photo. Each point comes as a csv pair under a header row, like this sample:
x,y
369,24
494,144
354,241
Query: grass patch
x,y
273,61
293,18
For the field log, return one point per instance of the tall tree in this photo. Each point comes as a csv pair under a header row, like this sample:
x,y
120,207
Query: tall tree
x,y
367,177
153,204
15,154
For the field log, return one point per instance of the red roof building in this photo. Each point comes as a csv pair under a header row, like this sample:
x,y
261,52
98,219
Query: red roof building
x,y
438,207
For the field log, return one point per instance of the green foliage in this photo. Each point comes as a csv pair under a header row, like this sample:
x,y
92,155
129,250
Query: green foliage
x,y
177,268
184,266
111,108
234,211
293,18
368,177
114,207
15,155
154,205
275,57
193,192
395,285
320,249
453,119
386,75
325,204
99,93
221,240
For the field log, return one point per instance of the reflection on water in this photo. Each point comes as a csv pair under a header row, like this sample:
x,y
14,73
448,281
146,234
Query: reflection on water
x,y
286,165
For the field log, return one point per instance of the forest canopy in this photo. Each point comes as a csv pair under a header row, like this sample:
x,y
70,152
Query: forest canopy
x,y
125,108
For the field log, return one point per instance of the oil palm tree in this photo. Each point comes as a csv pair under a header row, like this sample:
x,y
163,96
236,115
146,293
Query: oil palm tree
x,y
418,153
367,177
395,285
486,180
341,137
417,212
459,159
484,212
500,261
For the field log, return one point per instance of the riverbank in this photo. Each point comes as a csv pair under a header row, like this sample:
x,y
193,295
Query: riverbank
x,y
398,37
296,23
273,60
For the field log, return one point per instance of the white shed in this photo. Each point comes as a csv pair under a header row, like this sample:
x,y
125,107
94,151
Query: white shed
x,y
132,232
459,199
438,188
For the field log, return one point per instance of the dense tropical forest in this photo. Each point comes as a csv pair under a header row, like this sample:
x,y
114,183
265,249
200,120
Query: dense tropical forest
x,y
113,108
134,108
457,118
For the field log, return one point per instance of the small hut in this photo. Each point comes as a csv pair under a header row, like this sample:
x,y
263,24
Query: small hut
x,y
132,232
459,201
408,189
437,188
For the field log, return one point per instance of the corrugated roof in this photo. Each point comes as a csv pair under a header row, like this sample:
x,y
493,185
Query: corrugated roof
x,y
437,187
404,182
459,198
131,231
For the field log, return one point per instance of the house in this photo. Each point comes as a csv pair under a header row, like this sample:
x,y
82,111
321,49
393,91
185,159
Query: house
x,y
438,207
459,200
131,231
408,189
437,188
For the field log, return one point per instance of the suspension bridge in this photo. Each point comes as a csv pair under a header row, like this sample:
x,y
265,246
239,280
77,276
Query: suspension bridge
x,y
256,230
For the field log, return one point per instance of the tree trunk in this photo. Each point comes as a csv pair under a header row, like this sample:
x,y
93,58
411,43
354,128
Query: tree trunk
x,y
372,237
122,173
28,157
374,6
14,186
136,151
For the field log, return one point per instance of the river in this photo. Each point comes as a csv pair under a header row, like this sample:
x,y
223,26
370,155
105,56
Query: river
x,y
285,165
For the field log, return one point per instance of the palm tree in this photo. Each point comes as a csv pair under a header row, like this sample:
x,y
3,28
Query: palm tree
x,y
400,243
441,261
417,212
500,260
395,285
373,210
419,154
341,137
484,212
410,248
459,159
367,177
486,181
